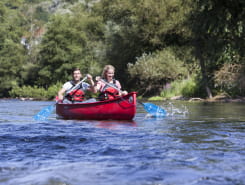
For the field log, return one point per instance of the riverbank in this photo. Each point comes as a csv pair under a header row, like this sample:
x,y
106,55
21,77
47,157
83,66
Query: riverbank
x,y
218,98
25,99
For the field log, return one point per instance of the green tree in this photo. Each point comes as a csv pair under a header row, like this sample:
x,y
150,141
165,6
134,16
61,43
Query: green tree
x,y
69,42
141,26
12,53
153,71
218,30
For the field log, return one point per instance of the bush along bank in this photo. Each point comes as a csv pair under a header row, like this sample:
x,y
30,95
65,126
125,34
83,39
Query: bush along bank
x,y
35,93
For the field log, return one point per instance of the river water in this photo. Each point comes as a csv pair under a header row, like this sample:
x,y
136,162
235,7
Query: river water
x,y
196,144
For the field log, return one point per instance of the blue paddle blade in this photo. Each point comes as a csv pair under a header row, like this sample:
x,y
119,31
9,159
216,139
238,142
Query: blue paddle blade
x,y
44,113
154,110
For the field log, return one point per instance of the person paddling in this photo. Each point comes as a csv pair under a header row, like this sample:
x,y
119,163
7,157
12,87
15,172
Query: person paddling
x,y
107,92
74,91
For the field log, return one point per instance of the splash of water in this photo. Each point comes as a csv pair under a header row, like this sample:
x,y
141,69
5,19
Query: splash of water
x,y
169,111
173,110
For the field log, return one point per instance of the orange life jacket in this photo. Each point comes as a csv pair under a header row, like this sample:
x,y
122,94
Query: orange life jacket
x,y
76,95
108,92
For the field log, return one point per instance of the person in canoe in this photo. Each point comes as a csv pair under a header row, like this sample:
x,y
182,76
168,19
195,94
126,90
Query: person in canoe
x,y
108,86
74,91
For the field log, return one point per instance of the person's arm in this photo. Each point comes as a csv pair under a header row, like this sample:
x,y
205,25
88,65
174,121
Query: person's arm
x,y
63,90
98,85
121,93
92,84
61,94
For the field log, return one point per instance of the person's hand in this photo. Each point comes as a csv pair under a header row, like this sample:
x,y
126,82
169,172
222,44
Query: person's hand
x,y
59,99
124,93
89,77
97,78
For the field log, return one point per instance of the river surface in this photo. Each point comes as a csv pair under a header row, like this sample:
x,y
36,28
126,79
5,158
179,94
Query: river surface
x,y
195,144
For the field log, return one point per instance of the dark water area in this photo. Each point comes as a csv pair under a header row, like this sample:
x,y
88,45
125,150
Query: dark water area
x,y
196,144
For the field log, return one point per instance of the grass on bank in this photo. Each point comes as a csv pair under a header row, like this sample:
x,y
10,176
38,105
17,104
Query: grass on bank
x,y
185,88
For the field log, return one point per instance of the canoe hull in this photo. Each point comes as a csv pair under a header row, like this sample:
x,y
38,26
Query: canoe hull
x,y
122,108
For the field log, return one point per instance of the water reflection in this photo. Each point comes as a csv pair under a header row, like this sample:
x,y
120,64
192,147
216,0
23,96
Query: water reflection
x,y
112,124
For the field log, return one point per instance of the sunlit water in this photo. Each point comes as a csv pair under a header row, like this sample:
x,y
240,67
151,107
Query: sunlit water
x,y
196,144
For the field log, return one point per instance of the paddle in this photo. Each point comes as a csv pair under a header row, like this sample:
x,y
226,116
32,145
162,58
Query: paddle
x,y
151,108
47,111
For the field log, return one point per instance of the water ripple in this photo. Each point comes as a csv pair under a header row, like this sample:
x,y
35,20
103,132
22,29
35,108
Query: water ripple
x,y
202,146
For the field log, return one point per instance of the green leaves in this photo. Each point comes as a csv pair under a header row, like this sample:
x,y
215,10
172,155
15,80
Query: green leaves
x,y
37,92
156,69
141,26
153,40
161,65
68,43
12,53
218,32
231,79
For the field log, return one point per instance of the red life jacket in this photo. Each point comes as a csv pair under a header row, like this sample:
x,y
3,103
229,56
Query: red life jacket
x,y
76,95
108,92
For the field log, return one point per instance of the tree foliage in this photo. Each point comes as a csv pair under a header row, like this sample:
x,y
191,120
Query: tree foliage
x,y
68,43
218,31
141,26
231,79
12,53
153,71
164,41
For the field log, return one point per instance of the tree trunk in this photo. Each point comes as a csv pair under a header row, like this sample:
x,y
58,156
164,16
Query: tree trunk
x,y
204,77
203,69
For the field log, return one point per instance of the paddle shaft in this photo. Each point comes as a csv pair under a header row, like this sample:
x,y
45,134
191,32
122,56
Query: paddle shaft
x,y
119,90
77,85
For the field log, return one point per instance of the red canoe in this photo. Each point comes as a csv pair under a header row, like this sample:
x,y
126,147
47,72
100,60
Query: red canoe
x,y
122,108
